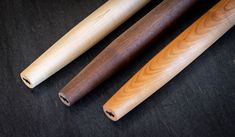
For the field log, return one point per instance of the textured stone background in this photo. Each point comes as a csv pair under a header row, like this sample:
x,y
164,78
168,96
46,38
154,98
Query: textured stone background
x,y
199,102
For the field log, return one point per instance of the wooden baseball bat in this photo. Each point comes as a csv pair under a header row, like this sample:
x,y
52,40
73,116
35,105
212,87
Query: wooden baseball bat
x,y
172,59
81,38
125,48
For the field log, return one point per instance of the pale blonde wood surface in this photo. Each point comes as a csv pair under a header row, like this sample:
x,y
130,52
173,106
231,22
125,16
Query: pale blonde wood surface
x,y
81,38
172,59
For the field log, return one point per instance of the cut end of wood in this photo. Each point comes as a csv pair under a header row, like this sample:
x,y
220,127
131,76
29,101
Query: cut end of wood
x,y
110,114
26,81
64,100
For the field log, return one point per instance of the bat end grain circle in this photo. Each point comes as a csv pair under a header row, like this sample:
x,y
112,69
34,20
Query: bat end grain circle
x,y
26,81
64,99
110,114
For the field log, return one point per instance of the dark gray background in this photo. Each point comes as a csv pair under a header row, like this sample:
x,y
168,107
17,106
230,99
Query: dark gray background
x,y
199,102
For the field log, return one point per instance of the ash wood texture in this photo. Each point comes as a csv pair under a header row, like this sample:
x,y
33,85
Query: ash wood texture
x,y
196,103
81,38
172,59
124,49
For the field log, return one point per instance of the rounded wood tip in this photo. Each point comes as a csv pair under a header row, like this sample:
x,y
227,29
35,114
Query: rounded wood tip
x,y
64,99
26,81
110,114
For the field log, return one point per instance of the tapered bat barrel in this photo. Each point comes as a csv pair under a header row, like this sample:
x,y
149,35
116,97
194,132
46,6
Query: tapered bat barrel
x,y
81,38
125,48
172,59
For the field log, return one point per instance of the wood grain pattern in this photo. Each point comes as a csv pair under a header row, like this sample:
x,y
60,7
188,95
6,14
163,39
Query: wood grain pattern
x,y
172,59
196,103
81,38
124,49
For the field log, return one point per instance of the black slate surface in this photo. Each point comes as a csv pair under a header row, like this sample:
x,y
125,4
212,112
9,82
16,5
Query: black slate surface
x,y
199,102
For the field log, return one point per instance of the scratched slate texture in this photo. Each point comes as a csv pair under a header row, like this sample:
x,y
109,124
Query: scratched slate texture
x,y
199,102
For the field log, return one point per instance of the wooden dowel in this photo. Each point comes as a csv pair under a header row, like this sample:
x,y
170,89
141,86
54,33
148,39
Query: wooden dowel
x,y
125,48
172,59
81,38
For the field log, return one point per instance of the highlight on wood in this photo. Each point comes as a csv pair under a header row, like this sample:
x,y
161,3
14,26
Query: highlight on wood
x,y
81,38
124,49
170,61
